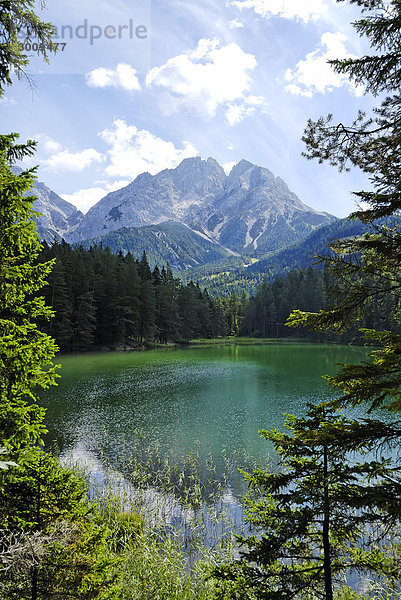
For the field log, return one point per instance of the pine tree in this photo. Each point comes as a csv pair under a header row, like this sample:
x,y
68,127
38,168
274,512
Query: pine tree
x,y
366,270
147,324
25,352
58,295
188,307
25,365
37,495
18,18
126,301
84,322
321,515
219,317
143,268
105,289
167,317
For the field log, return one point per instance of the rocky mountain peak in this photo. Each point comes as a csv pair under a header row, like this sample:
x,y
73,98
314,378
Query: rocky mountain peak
x,y
239,169
195,175
58,218
250,211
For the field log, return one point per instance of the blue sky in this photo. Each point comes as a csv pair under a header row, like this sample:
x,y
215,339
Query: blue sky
x,y
163,80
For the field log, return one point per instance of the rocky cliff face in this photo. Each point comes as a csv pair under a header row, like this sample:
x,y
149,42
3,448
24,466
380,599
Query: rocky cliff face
x,y
150,200
58,218
250,211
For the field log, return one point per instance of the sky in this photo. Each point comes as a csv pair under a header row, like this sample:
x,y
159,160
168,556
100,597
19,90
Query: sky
x,y
140,85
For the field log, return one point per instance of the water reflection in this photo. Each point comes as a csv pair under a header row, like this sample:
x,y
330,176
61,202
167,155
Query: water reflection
x,y
117,410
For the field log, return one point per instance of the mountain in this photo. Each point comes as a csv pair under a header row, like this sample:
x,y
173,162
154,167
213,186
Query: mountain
x,y
249,211
169,242
302,254
231,275
150,200
58,218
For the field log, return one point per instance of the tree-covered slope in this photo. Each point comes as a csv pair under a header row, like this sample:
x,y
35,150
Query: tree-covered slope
x,y
300,255
168,243
234,275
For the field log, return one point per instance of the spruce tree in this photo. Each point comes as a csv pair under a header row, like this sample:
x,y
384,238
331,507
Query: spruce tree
x,y
167,318
25,352
126,301
18,19
188,306
37,495
59,297
366,269
321,515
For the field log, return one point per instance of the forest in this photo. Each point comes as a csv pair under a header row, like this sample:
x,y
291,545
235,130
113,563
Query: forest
x,y
105,300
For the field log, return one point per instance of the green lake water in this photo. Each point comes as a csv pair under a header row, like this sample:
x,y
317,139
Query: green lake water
x,y
206,397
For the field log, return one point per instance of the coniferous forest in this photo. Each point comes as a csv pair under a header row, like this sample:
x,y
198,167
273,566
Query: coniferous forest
x,y
105,300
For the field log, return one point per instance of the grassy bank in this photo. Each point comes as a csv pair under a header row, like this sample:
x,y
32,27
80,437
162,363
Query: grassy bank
x,y
150,565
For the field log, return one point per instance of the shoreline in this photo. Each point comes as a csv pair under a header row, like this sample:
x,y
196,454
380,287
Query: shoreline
x,y
213,342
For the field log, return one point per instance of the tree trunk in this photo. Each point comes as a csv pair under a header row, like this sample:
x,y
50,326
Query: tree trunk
x,y
328,585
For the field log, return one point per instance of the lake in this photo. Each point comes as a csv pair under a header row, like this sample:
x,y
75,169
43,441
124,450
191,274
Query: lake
x,y
214,398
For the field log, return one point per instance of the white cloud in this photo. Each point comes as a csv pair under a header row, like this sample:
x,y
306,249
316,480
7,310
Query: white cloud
x,y
238,112
305,10
123,76
314,74
228,166
236,24
85,198
7,101
47,144
206,79
64,160
134,151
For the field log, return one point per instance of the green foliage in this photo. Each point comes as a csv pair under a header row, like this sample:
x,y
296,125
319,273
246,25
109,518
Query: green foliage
x,y
240,275
17,18
268,310
48,539
301,255
53,542
40,493
376,383
168,242
234,234
320,516
105,299
324,513
25,352
367,268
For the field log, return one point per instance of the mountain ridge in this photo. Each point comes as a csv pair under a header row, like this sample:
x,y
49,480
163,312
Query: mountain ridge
x,y
58,218
250,210
169,242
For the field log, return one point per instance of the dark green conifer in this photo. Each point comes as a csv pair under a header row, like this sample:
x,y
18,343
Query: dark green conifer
x,y
25,352
366,269
321,515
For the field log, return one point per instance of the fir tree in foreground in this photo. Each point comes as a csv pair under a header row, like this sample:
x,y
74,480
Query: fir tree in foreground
x,y
54,542
25,352
46,533
367,268
322,515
